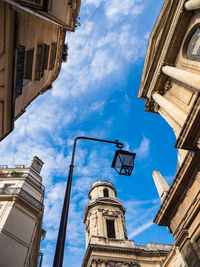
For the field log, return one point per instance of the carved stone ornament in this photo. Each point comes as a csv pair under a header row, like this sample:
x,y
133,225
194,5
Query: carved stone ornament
x,y
124,226
87,225
151,106
93,219
168,85
110,212
198,143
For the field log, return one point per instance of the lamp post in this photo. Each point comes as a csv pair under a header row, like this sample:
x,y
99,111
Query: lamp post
x,y
123,163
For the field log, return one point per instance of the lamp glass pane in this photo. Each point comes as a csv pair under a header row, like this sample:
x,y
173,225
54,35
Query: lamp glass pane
x,y
127,160
118,163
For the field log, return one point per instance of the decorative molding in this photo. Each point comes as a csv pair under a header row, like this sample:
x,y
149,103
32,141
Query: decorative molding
x,y
151,106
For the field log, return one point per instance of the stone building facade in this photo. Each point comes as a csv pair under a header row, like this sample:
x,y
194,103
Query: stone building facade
x,y
170,85
32,48
107,244
21,213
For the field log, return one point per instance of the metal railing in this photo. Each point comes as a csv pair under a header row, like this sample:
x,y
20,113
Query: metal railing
x,y
26,175
22,193
40,258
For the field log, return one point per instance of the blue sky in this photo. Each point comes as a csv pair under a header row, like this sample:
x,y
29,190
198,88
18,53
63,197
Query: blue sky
x,y
96,95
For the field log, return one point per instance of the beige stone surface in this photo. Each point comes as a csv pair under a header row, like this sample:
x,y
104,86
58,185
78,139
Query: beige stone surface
x,y
171,77
21,212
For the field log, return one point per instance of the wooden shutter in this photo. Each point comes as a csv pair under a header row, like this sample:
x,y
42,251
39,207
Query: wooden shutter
x,y
53,55
19,70
43,61
40,61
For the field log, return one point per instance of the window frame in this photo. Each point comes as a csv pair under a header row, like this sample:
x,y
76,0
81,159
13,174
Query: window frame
x,y
28,77
190,44
53,55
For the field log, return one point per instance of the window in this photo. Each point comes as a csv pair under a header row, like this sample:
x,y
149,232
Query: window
x,y
38,4
53,55
28,65
193,48
41,59
23,68
110,228
105,192
1,205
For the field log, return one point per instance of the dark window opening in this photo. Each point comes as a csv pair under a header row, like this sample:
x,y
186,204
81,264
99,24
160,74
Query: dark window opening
x,y
28,65
105,192
110,228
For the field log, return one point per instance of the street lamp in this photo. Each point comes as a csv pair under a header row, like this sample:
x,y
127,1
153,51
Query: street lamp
x,y
123,163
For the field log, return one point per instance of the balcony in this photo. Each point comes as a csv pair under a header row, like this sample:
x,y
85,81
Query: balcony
x,y
40,258
26,175
23,194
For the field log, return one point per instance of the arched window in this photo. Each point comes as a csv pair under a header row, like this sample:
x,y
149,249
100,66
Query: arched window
x,y
193,47
105,192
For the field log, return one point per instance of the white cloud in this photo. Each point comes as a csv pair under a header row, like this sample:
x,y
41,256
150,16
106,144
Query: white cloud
x,y
141,229
115,9
96,3
143,150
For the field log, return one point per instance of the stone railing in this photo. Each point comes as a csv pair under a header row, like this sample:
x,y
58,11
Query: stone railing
x,y
22,193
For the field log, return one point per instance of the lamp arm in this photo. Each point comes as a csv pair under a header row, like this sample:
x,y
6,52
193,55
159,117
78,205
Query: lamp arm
x,y
116,142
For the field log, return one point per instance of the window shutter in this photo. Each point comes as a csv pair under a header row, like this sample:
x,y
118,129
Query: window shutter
x,y
53,55
19,70
44,58
40,61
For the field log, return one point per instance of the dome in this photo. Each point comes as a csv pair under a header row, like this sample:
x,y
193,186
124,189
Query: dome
x,y
102,188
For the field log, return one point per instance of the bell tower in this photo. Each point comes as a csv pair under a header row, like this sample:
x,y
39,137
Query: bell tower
x,y
104,215
107,244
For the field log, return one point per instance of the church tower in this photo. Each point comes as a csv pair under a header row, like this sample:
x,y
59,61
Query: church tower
x,y
104,215
107,244
21,212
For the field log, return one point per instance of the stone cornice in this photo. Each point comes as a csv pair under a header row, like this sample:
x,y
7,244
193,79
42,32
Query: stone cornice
x,y
103,201
163,47
102,183
133,251
181,183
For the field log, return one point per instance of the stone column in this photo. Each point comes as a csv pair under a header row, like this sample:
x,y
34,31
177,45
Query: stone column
x,y
176,127
174,112
192,5
188,78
